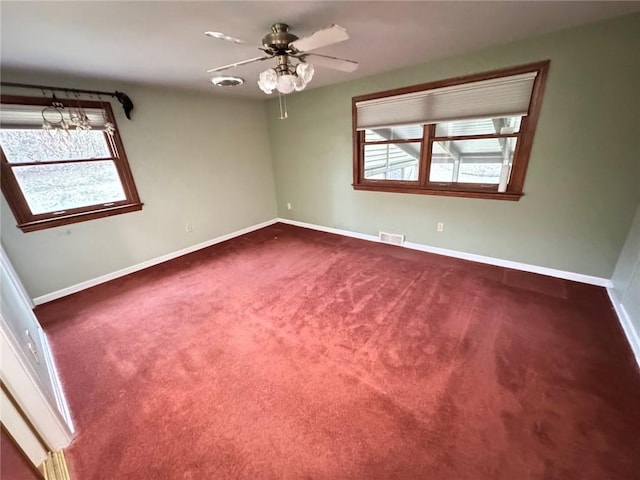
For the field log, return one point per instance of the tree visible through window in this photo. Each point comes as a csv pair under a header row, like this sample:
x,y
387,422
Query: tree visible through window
x,y
54,176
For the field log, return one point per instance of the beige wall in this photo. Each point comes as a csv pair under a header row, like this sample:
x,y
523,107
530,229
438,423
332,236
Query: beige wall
x,y
583,181
196,158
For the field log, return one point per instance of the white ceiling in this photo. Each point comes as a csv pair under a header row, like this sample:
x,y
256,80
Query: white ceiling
x,y
163,43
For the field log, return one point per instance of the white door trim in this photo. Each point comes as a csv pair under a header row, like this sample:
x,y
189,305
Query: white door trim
x,y
20,431
29,393
43,405
17,284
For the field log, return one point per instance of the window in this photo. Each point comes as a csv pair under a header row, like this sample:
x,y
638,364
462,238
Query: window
x,y
468,136
52,176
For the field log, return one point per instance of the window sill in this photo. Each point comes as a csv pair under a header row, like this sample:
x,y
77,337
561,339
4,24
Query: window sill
x,y
34,225
514,197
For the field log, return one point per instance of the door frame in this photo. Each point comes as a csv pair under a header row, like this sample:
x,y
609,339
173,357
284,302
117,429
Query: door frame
x,y
46,411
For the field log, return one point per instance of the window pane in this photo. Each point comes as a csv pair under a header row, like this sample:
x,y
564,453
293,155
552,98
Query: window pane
x,y
406,132
394,161
471,161
483,126
441,172
22,146
51,188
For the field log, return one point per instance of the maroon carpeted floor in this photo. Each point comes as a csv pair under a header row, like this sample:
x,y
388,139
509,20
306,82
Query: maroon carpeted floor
x,y
294,354
13,463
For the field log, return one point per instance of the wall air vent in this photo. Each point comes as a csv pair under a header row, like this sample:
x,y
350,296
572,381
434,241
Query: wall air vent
x,y
391,238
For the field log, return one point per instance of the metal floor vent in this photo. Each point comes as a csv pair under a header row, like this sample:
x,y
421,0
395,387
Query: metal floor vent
x,y
391,238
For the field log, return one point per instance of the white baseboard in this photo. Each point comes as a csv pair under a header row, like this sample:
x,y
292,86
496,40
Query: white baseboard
x,y
578,277
337,231
633,336
525,267
146,264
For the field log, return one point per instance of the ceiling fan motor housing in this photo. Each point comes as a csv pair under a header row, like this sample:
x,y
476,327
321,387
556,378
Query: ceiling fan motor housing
x,y
279,39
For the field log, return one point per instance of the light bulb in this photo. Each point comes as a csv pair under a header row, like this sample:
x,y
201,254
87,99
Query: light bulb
x,y
299,84
268,91
286,83
268,80
305,71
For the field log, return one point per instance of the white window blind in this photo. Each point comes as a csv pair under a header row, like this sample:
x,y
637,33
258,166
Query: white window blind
x,y
30,116
504,96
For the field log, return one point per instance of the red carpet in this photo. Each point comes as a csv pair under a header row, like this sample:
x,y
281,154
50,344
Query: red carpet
x,y
293,354
13,463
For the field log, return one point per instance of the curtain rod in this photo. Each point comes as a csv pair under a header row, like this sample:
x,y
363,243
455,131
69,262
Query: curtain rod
x,y
123,98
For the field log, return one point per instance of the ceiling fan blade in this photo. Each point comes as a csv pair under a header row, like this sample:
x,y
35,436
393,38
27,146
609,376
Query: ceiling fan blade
x,y
331,62
237,64
321,38
227,38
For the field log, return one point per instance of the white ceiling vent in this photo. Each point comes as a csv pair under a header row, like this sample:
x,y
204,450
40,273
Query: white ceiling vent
x,y
227,81
391,238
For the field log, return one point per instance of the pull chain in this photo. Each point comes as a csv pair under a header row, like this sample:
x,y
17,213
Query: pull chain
x,y
283,106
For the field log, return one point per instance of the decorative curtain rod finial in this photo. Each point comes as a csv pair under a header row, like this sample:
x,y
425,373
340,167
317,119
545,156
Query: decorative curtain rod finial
x,y
123,98
126,103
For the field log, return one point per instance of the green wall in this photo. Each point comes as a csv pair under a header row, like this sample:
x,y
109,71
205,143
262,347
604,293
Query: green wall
x,y
583,181
196,158
193,165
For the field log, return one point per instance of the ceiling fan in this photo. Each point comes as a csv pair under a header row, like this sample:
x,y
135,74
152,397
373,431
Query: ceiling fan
x,y
283,45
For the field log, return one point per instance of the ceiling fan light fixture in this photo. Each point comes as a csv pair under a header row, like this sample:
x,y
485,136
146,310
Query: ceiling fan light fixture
x,y
286,83
283,46
227,81
286,78
305,71
268,81
299,84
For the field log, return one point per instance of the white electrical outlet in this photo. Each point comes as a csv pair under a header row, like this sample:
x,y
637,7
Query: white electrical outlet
x,y
440,227
288,206
188,228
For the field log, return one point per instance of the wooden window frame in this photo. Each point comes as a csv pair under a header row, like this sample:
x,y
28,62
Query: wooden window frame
x,y
28,222
423,186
